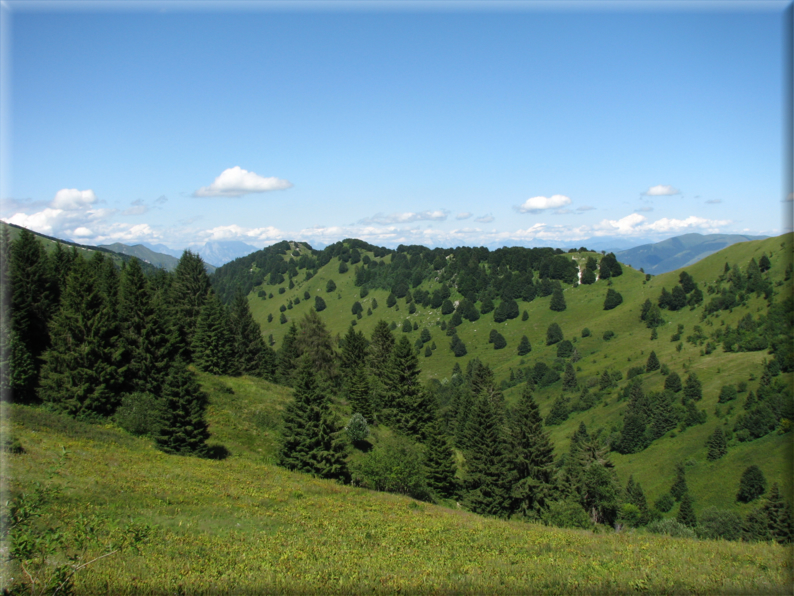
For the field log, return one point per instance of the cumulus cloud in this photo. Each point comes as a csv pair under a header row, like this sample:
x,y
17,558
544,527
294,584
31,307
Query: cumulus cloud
x,y
236,182
69,199
485,219
464,215
537,204
407,217
661,190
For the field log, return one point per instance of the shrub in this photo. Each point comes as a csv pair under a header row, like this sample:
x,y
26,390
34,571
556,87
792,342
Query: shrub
x,y
140,413
612,299
553,334
727,393
564,349
357,429
566,514
719,523
608,335
585,332
394,465
319,304
670,527
330,286
499,342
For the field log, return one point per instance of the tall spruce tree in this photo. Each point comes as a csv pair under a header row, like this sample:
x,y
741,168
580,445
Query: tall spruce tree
x,y
358,394
408,406
311,437
32,306
83,371
679,488
486,481
144,330
440,462
686,513
780,521
253,356
354,352
692,388
212,341
569,382
183,428
315,342
653,362
530,459
287,357
187,294
524,347
717,444
752,484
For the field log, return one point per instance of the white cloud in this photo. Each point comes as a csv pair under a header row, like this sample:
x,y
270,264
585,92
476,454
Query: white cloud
x,y
236,182
536,204
407,217
661,190
464,215
71,198
485,219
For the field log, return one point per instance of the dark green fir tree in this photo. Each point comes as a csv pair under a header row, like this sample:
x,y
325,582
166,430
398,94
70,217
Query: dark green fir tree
x,y
679,488
408,406
752,485
440,462
183,428
252,354
717,444
187,293
212,341
653,363
530,459
557,300
83,371
686,513
524,346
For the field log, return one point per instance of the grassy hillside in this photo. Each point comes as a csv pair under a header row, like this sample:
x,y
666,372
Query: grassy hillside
x,y
654,467
242,525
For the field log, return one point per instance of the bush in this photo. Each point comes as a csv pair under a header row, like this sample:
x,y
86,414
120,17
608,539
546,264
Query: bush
x,y
357,429
140,413
394,465
564,349
608,335
319,304
670,527
566,514
553,334
585,332
612,299
499,342
727,393
330,286
717,524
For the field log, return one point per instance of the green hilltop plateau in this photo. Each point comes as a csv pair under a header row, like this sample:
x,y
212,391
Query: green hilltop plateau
x,y
367,420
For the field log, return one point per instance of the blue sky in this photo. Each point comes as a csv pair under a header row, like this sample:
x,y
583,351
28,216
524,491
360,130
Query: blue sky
x,y
469,126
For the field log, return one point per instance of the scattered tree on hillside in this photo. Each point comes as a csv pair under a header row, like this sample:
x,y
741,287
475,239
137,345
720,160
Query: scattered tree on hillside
x,y
612,300
652,363
187,293
752,485
524,346
686,513
557,300
717,444
553,334
212,341
440,462
183,428
679,488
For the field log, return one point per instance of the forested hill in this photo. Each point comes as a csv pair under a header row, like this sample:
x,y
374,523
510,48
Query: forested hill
x,y
508,270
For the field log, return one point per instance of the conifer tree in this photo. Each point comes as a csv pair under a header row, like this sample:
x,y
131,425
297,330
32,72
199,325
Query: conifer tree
x,y
632,437
686,513
779,517
83,371
636,496
149,345
253,356
524,346
440,462
673,382
752,485
553,334
679,488
557,300
569,382
358,394
183,428
311,440
287,357
652,363
212,341
486,478
692,388
32,306
187,293
354,352
530,458
408,407
381,346
314,340
717,444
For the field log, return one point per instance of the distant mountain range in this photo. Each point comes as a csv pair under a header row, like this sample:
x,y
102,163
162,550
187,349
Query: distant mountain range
x,y
679,251
215,253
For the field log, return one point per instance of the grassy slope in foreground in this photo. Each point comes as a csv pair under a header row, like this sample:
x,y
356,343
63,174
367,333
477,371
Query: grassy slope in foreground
x,y
241,525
